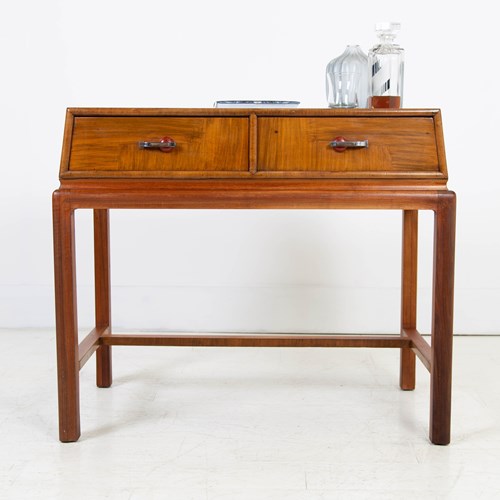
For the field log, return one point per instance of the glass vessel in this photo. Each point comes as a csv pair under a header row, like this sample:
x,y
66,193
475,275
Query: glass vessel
x,y
347,79
386,64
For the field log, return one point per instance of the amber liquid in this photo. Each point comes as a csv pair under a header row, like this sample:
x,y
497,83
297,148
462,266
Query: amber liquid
x,y
385,101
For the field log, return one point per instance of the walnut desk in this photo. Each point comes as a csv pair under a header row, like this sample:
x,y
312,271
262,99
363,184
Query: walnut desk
x,y
258,159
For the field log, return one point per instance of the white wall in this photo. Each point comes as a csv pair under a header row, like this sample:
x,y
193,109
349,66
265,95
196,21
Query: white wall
x,y
280,271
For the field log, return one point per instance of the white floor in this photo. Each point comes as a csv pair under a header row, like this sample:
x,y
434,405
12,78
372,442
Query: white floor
x,y
227,424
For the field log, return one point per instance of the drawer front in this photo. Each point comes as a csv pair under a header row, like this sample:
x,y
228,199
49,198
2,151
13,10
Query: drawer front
x,y
110,146
396,146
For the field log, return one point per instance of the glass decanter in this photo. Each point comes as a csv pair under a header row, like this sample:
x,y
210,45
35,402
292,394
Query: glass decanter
x,y
386,64
347,79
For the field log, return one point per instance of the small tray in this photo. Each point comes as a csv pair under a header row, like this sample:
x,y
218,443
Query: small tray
x,y
256,104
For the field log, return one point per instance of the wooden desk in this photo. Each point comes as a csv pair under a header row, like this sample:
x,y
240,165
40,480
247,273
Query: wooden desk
x,y
259,159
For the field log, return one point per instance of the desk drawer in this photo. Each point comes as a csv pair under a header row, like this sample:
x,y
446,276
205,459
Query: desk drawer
x,y
204,145
395,145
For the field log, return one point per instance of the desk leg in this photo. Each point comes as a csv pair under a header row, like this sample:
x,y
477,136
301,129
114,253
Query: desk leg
x,y
409,295
442,318
102,294
68,366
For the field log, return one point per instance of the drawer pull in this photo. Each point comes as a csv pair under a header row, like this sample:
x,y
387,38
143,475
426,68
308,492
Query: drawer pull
x,y
341,144
166,145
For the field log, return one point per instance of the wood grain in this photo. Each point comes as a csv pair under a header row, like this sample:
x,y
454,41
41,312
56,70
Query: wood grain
x,y
68,359
442,318
252,340
232,143
103,144
409,267
395,144
102,284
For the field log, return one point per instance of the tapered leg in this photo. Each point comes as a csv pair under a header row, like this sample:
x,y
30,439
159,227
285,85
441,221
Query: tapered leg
x,y
102,294
66,320
409,295
442,318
